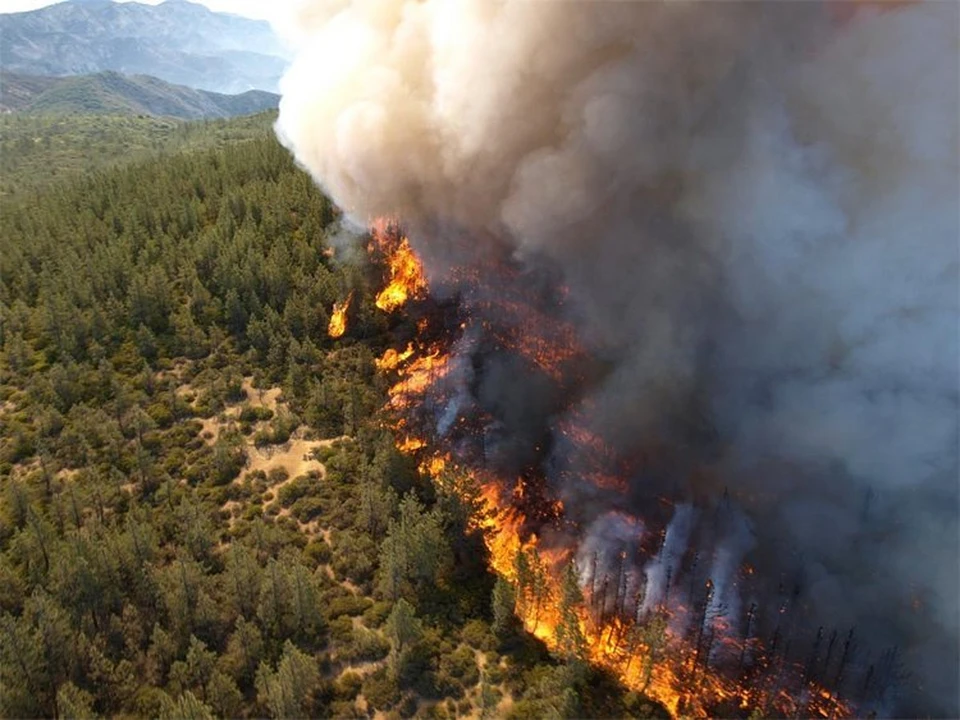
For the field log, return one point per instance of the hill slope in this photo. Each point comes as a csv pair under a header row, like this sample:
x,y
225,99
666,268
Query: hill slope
x,y
166,550
177,41
115,94
39,150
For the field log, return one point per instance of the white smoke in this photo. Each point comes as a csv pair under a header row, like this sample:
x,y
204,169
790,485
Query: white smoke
x,y
662,570
755,209
604,557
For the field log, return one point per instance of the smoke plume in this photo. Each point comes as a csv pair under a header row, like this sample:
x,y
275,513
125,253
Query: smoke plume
x,y
752,209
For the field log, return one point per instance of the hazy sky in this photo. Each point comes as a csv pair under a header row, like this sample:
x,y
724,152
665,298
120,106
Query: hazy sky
x,y
249,8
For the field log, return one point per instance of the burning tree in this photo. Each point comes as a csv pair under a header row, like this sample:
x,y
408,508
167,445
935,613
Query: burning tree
x,y
690,299
658,612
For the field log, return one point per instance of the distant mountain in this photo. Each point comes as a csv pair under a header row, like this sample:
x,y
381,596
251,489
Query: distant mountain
x,y
110,93
177,41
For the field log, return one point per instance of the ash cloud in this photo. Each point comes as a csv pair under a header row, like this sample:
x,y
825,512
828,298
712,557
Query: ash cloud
x,y
754,210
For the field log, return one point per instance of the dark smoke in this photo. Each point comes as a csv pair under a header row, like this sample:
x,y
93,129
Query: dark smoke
x,y
748,214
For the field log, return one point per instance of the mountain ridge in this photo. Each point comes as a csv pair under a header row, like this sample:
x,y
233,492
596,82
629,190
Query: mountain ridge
x,y
177,41
110,92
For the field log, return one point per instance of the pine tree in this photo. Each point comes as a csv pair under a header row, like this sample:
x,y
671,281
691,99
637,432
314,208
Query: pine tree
x,y
570,639
402,626
288,691
503,604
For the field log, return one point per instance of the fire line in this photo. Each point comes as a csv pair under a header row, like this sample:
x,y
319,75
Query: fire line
x,y
649,651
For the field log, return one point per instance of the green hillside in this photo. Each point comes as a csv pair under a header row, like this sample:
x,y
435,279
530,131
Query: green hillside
x,y
37,151
18,91
110,93
202,513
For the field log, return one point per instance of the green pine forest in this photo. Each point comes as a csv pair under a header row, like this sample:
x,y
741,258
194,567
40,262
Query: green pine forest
x,y
201,511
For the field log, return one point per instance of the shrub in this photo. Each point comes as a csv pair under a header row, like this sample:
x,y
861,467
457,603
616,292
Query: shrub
x,y
408,705
350,605
367,646
380,690
494,673
461,665
306,509
477,633
291,492
160,414
347,686
376,614
317,552
276,476
251,414
341,630
345,710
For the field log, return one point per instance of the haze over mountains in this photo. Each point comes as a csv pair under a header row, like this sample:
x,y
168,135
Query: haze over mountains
x,y
110,93
177,41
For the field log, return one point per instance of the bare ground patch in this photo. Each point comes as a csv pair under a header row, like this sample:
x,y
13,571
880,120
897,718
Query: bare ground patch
x,y
295,456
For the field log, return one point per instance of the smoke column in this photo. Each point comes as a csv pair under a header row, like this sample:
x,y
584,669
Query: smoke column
x,y
753,207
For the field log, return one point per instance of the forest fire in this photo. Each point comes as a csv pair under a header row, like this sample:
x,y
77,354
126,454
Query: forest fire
x,y
660,239
338,317
406,272
681,650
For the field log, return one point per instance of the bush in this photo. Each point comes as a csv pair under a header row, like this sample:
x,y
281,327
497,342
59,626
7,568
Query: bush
x,y
233,390
276,476
251,414
160,414
408,705
282,427
347,686
477,634
341,631
306,509
300,487
324,453
350,605
367,646
462,665
317,552
376,614
345,710
380,690
494,673
353,557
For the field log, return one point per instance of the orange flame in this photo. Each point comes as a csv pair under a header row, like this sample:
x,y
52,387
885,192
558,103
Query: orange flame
x,y
410,444
392,359
338,318
406,272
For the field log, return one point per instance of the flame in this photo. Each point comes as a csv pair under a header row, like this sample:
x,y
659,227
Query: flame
x,y
338,317
392,359
406,272
417,377
652,655
410,444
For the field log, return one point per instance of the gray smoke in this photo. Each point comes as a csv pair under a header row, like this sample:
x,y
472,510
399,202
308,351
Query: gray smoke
x,y
754,208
